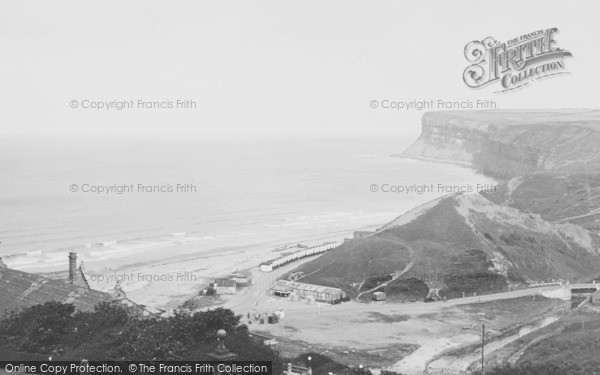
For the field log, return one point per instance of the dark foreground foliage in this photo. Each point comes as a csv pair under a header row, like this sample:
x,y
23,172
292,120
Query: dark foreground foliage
x,y
115,332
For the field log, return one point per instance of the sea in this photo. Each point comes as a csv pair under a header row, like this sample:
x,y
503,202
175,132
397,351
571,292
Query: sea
x,y
111,198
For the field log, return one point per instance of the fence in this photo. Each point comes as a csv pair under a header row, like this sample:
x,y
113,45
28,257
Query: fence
x,y
451,365
495,345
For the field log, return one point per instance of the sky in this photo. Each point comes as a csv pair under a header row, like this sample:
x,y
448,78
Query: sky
x,y
268,68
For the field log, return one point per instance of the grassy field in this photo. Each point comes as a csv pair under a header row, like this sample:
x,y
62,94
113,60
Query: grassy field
x,y
575,338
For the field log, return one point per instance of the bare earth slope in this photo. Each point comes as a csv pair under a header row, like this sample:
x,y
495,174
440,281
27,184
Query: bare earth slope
x,y
462,243
540,224
572,198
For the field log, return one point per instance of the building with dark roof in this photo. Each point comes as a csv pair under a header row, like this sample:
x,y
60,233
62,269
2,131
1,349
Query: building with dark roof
x,y
20,289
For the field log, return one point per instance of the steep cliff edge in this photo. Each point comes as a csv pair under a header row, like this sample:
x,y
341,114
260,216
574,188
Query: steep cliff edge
x,y
509,143
460,243
541,223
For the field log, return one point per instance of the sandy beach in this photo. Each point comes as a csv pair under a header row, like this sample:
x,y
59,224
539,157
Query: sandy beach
x,y
164,272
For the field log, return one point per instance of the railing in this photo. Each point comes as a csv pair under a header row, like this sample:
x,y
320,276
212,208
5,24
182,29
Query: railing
x,y
495,345
537,285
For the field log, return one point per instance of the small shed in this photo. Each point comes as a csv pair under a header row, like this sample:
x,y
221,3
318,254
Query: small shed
x,y
379,296
241,278
266,266
224,286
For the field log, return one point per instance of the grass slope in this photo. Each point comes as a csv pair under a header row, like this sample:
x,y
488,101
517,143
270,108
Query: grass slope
x,y
449,246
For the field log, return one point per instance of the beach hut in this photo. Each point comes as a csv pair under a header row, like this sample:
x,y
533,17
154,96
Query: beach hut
x,y
241,278
266,266
379,296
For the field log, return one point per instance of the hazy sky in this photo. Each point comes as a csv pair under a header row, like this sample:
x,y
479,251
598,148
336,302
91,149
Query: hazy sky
x,y
273,68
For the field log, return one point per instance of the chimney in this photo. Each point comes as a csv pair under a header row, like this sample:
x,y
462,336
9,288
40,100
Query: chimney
x,y
72,266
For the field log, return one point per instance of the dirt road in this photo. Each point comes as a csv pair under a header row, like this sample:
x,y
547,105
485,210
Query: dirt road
x,y
253,297
435,326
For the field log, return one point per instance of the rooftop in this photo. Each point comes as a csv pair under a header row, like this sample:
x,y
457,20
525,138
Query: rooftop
x,y
80,278
21,289
290,285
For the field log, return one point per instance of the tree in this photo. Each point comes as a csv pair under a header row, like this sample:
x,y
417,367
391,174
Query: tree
x,y
114,331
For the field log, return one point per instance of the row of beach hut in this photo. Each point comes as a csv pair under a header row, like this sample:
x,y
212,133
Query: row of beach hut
x,y
270,265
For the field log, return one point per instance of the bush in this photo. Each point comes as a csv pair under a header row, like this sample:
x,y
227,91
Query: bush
x,y
115,332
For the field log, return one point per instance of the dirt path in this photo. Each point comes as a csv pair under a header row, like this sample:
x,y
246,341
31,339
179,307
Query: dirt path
x,y
253,297
416,362
395,277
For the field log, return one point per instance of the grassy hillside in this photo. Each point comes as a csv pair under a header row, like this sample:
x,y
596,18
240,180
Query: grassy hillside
x,y
542,225
570,346
362,259
463,243
570,198
576,338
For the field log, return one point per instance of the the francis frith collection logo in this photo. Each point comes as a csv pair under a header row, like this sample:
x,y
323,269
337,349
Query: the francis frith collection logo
x,y
514,63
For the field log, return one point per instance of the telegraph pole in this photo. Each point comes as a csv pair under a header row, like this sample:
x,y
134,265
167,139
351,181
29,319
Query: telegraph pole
x,y
482,345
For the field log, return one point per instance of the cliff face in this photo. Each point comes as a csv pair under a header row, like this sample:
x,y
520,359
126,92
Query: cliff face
x,y
445,137
506,144
541,224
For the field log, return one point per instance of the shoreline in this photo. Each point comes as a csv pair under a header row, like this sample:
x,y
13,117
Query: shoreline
x,y
437,160
141,262
166,282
